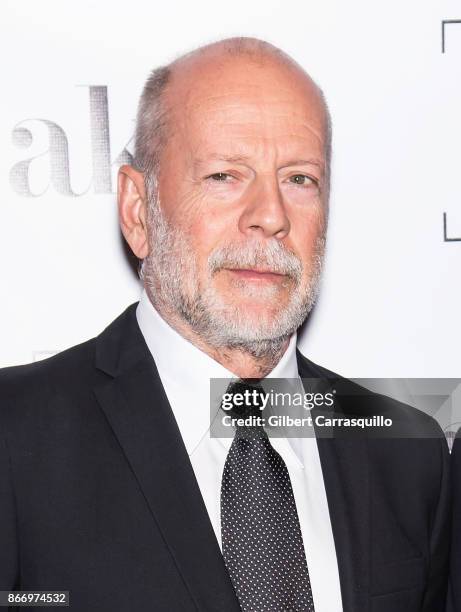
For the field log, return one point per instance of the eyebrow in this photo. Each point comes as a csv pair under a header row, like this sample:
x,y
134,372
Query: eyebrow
x,y
304,162
226,158
235,159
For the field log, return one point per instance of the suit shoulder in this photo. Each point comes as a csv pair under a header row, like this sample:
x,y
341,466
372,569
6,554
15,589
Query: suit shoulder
x,y
33,383
64,382
68,359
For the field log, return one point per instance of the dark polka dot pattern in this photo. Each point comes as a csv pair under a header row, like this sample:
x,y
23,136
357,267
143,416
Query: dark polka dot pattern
x,y
261,537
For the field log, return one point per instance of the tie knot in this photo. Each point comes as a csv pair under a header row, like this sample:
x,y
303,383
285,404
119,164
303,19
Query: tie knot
x,y
247,398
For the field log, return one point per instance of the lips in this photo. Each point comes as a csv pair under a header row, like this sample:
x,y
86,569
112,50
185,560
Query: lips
x,y
256,273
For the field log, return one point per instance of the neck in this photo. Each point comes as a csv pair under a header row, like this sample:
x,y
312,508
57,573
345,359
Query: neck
x,y
241,361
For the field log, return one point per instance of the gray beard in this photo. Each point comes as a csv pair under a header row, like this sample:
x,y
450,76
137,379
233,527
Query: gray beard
x,y
170,275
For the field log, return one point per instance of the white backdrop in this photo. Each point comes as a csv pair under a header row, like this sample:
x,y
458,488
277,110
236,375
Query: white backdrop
x,y
72,73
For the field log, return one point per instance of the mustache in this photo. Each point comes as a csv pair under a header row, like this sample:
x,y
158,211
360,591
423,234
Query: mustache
x,y
272,256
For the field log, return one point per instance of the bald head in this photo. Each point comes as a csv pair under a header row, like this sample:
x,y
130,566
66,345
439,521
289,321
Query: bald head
x,y
257,51
236,65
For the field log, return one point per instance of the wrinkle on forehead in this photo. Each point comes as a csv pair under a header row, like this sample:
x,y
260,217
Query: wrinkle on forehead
x,y
256,109
224,127
247,116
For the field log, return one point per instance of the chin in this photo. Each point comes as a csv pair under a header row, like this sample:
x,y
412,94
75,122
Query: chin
x,y
258,302
252,309
254,322
242,291
224,319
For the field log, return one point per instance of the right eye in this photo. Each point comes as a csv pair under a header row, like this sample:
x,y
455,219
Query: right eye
x,y
219,177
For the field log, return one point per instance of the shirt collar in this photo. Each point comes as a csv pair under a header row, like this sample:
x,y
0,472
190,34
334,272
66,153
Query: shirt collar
x,y
185,371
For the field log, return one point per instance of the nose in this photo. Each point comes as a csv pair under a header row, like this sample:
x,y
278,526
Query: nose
x,y
265,213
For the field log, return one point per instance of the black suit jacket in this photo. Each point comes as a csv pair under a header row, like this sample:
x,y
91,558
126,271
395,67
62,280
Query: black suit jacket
x,y
98,496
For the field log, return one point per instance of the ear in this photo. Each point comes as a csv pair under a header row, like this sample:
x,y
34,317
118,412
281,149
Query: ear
x,y
132,209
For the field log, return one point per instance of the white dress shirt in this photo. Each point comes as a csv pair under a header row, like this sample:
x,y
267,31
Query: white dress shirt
x,y
185,372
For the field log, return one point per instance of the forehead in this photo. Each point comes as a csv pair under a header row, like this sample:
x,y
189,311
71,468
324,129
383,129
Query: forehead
x,y
253,102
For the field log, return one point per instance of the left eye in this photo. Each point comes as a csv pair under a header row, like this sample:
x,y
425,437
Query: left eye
x,y
301,179
219,176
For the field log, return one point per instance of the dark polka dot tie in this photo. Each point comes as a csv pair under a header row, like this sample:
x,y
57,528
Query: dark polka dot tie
x,y
261,537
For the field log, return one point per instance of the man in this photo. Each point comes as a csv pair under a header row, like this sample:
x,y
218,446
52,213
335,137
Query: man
x,y
112,487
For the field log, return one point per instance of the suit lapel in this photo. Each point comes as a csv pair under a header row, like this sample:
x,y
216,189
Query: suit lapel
x,y
138,411
344,464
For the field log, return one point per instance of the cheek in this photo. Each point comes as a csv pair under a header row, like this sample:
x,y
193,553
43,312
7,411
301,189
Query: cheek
x,y
307,226
187,206
305,234
181,208
205,237
209,229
